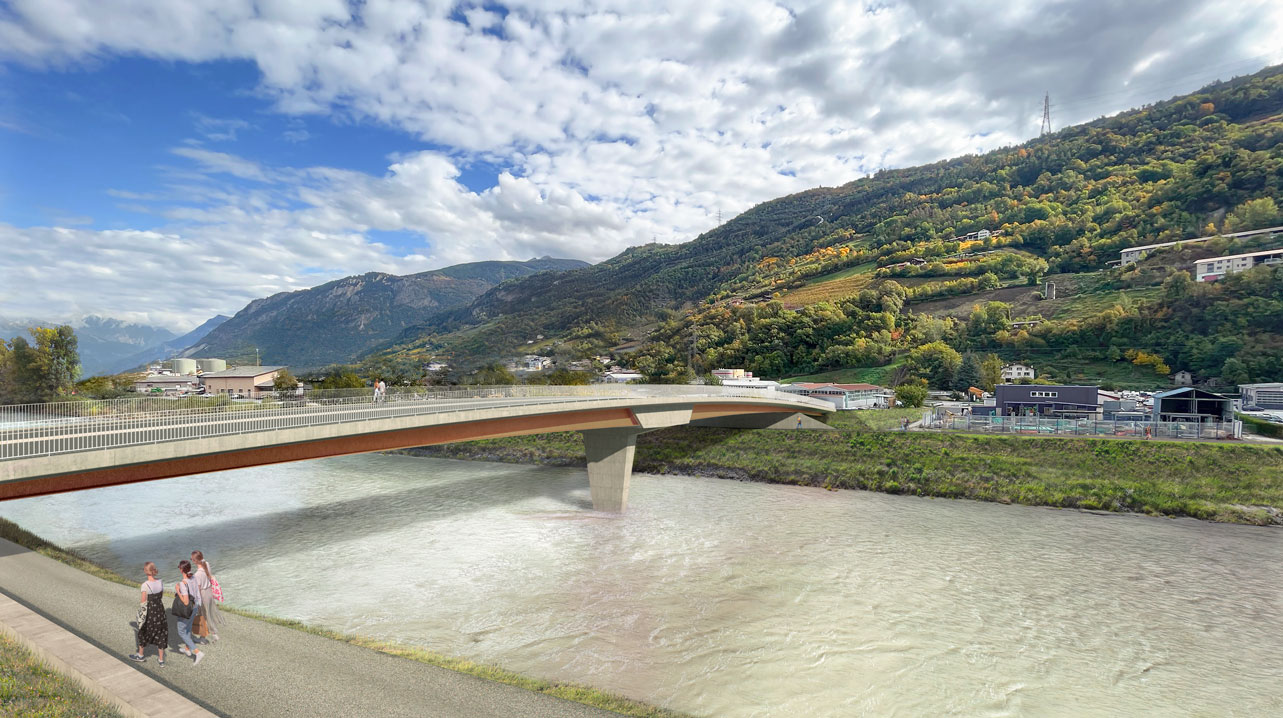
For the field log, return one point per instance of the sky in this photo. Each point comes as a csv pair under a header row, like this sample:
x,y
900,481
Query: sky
x,y
163,162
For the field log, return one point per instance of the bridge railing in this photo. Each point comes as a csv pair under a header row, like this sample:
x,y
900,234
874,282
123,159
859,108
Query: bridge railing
x,y
64,427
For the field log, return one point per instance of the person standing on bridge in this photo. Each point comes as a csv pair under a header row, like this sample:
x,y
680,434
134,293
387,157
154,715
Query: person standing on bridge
x,y
153,629
205,583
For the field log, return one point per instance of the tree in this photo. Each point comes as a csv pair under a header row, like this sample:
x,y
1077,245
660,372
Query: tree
x,y
285,384
493,375
937,362
338,377
1234,372
43,372
968,374
990,372
911,394
55,363
1253,214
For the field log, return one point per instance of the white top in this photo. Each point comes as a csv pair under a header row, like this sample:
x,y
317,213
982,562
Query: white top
x,y
187,587
153,585
202,578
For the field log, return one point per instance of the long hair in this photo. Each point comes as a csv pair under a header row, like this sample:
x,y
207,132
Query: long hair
x,y
185,567
199,558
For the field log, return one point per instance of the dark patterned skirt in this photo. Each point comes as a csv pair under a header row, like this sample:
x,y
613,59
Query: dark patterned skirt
x,y
154,630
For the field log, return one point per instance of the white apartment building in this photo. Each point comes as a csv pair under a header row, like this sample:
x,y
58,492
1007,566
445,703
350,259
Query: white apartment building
x,y
1214,268
1132,255
1016,372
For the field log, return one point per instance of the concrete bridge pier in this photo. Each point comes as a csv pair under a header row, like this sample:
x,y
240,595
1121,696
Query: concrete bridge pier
x,y
610,466
610,455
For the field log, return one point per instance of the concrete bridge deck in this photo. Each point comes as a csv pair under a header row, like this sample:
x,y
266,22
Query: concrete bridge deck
x,y
81,445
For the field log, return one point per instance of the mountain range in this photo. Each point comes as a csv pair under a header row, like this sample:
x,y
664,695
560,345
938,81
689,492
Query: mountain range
x,y
342,320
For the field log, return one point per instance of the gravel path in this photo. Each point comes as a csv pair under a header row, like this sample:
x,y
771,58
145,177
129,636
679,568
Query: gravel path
x,y
260,669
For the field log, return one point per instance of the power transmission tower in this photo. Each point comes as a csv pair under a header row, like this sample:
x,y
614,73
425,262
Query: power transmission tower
x,y
1046,115
719,216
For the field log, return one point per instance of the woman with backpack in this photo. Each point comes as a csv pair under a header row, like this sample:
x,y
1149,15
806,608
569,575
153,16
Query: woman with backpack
x,y
153,624
187,601
205,583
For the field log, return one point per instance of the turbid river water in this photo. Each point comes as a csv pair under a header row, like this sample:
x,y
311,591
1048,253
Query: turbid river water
x,y
729,599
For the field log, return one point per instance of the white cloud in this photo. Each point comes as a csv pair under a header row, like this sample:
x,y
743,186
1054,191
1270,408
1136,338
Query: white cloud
x,y
617,122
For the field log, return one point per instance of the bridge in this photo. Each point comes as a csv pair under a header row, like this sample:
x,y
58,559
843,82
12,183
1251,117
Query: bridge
x,y
72,446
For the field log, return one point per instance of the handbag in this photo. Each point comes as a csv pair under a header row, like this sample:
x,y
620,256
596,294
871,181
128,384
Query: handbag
x,y
142,614
216,589
180,609
200,627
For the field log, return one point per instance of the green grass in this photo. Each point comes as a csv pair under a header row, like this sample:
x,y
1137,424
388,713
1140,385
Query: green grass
x,y
865,268
879,375
1229,482
30,689
1122,374
568,691
874,419
1083,306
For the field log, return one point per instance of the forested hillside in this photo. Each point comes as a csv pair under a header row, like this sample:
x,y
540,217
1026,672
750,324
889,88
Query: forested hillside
x,y
1064,203
341,320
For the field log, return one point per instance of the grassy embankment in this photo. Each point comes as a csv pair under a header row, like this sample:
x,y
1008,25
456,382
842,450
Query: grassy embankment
x,y
1219,482
31,689
880,375
567,691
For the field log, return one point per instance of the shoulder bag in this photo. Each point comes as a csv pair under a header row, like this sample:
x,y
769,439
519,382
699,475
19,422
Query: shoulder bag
x,y
180,609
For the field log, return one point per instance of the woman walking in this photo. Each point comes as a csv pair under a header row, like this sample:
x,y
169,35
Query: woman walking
x,y
205,583
187,592
153,628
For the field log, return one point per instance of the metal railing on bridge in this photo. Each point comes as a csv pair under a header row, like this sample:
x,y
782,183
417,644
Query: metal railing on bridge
x,y
28,430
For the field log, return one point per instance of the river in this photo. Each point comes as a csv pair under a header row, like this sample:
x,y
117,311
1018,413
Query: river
x,y
722,598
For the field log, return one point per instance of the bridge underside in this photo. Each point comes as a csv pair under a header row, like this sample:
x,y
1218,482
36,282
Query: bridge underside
x,y
610,436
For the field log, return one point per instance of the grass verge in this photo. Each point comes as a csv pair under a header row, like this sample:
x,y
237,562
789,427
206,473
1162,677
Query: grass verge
x,y
568,691
1229,482
31,689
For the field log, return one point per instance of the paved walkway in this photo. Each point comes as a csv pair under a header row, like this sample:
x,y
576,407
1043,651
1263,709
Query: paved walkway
x,y
131,692
260,669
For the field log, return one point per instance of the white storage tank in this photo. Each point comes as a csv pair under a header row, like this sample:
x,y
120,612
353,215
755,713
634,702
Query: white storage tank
x,y
208,365
182,366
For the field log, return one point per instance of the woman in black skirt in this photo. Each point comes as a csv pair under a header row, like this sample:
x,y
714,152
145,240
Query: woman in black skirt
x,y
153,629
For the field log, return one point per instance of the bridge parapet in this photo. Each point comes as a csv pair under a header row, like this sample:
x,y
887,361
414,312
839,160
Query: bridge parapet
x,y
33,430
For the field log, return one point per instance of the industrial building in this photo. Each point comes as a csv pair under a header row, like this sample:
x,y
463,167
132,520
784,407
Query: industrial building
x,y
246,381
844,396
167,384
1047,400
1262,396
1192,404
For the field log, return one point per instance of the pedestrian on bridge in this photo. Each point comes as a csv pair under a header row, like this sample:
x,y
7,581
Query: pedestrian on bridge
x,y
153,624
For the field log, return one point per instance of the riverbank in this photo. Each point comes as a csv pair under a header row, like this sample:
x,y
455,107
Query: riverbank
x,y
266,661
1231,482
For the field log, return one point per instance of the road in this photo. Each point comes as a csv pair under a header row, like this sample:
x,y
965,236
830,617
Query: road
x,y
260,669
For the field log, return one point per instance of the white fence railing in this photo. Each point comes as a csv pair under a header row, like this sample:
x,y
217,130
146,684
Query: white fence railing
x,y
28,430
1049,426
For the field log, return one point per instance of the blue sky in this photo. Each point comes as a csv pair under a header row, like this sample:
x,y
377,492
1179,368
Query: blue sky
x,y
181,159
